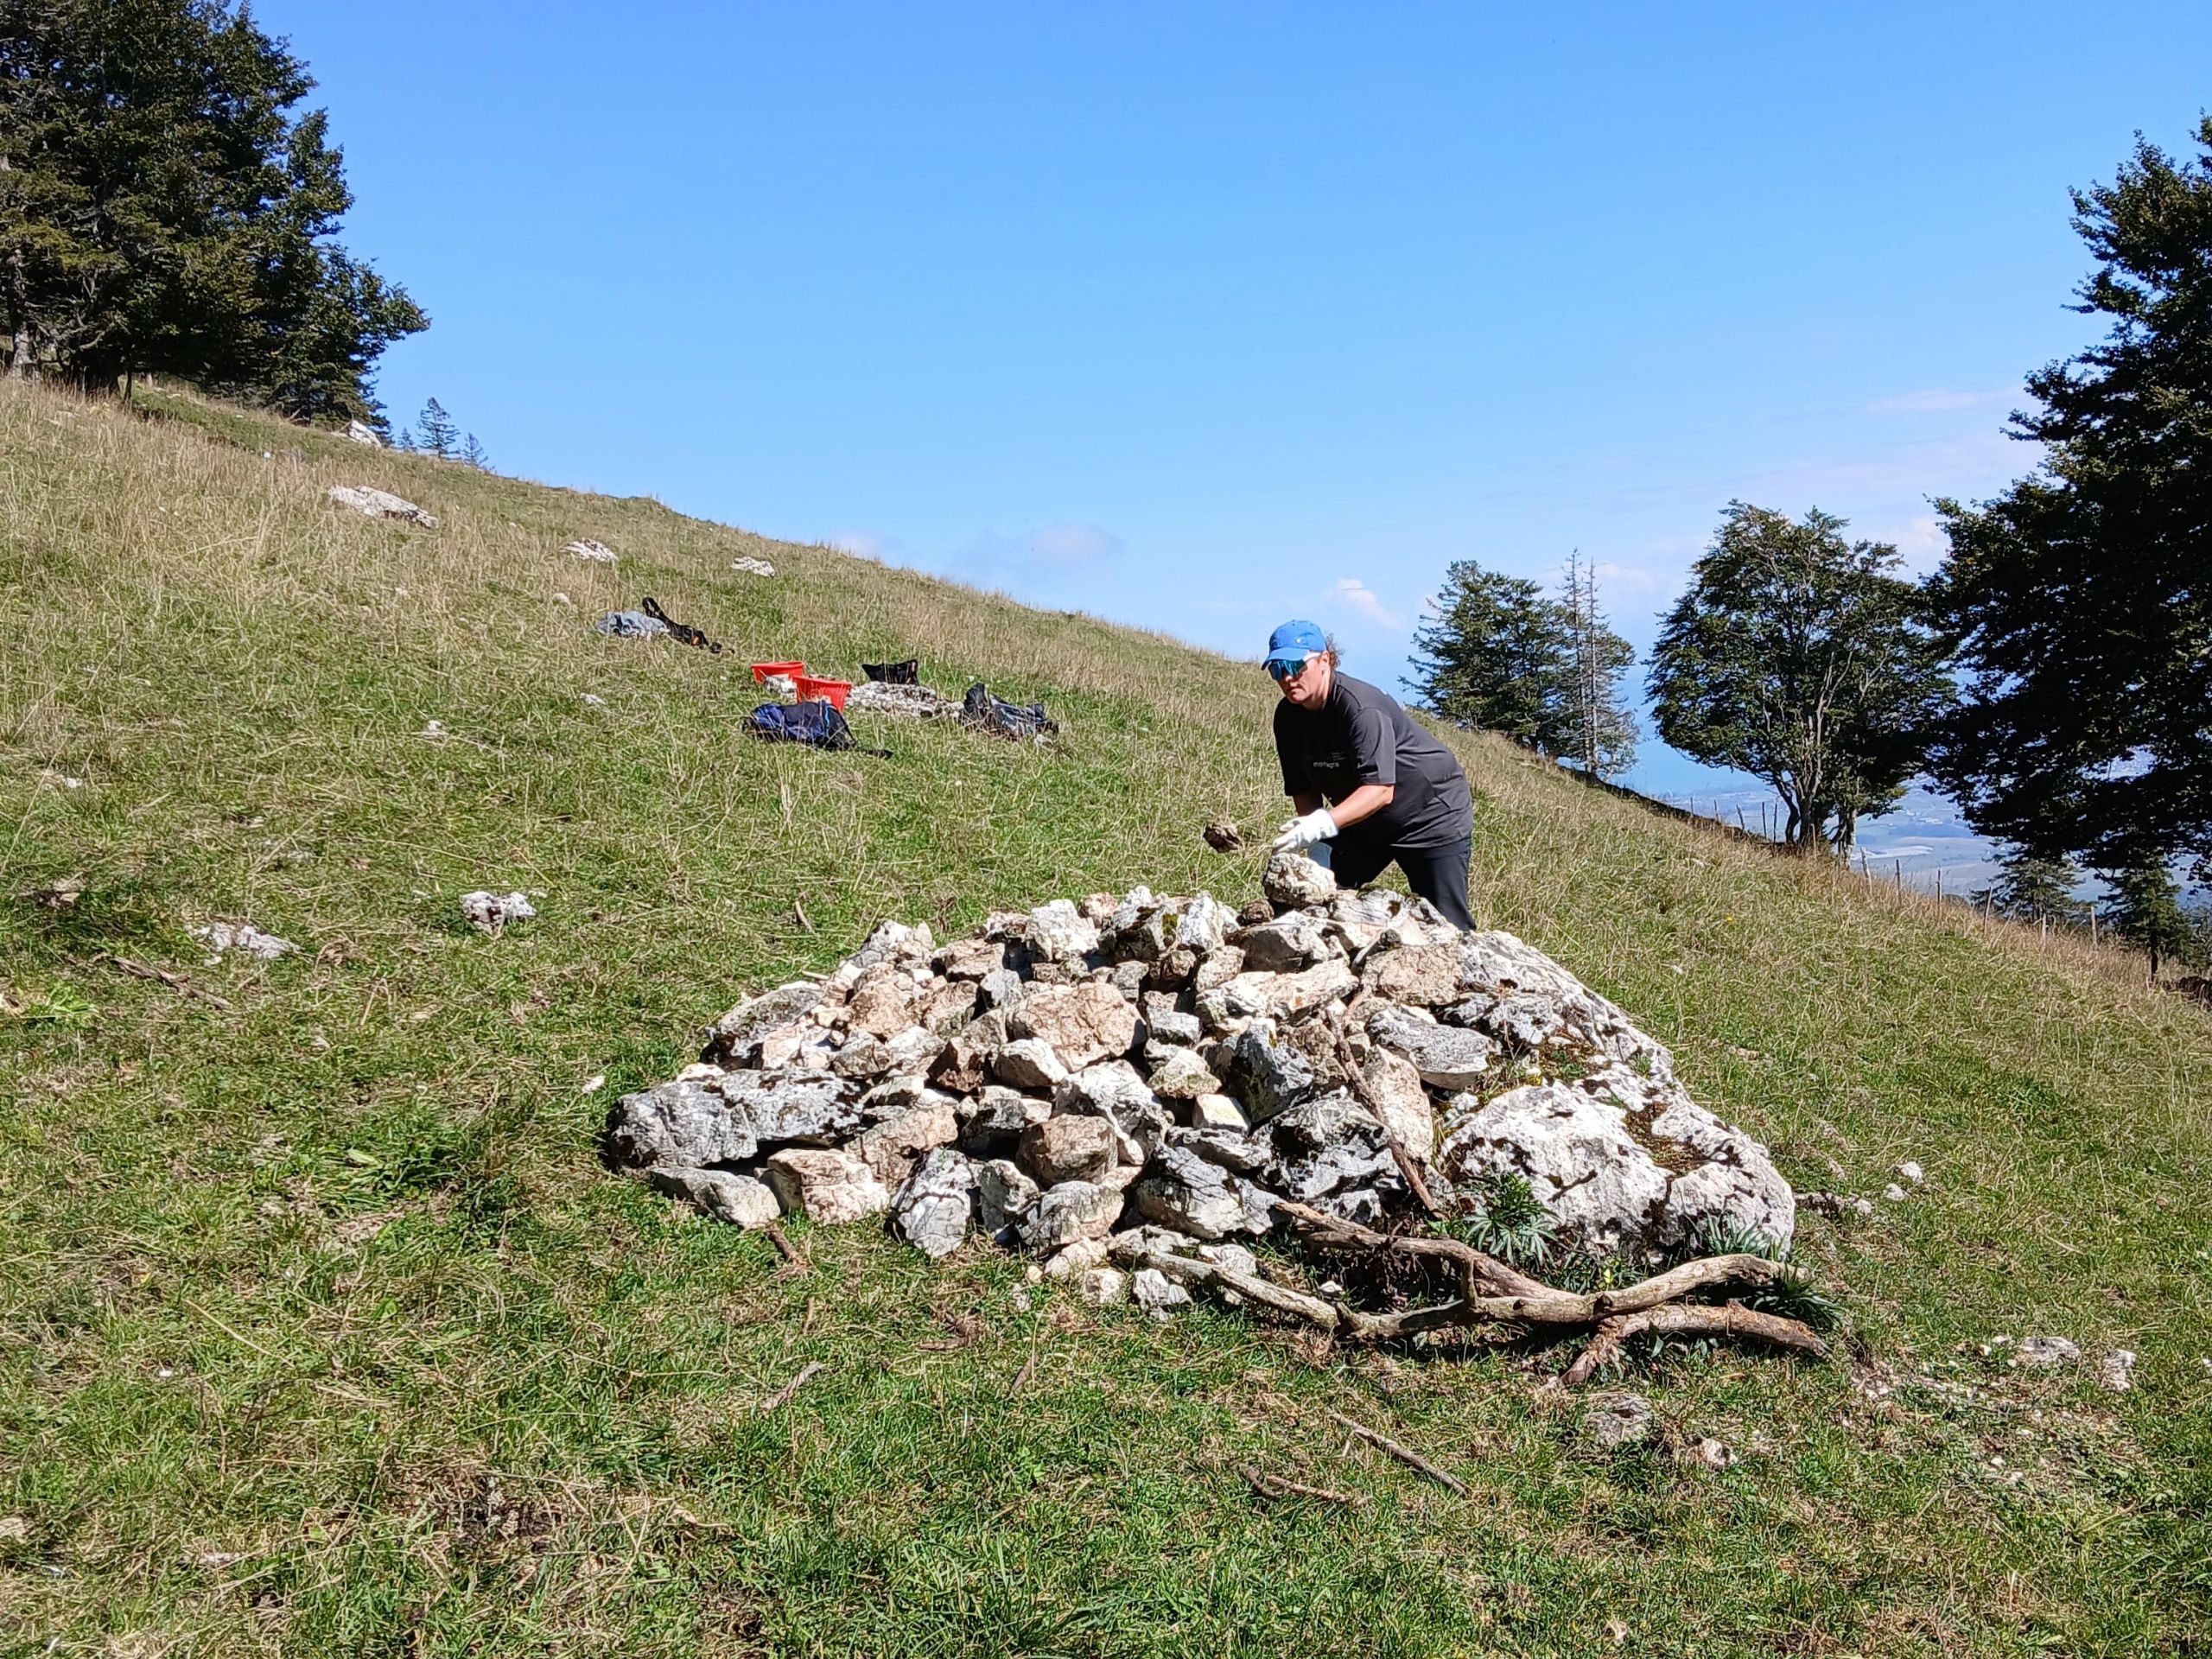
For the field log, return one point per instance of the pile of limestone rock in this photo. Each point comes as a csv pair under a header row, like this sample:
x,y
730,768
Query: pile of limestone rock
x,y
1092,1081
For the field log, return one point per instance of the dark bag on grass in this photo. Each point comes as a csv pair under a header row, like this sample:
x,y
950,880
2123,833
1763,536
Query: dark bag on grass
x,y
817,724
906,673
1010,720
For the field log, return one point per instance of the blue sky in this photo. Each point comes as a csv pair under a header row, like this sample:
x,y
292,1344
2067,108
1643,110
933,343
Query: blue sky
x,y
1202,315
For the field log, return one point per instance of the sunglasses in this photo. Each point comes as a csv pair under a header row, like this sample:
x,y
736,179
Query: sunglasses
x,y
1282,670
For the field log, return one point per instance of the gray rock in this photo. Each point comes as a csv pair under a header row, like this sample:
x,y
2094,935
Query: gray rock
x,y
590,551
682,1125
932,1209
1285,945
1078,1258
1084,1023
1180,1030
490,912
1068,1149
1615,1420
1268,1077
1128,1245
1029,1062
785,1108
1005,1196
1233,1258
1600,1186
1115,1092
1445,1056
1293,881
1523,1022
1182,1191
1128,978
998,1115
1202,923
1002,989
1235,1150
1425,975
1059,932
1323,1147
380,504
1217,1112
1155,1292
1275,996
1393,1085
721,1193
828,1187
1069,1211
1181,1075
2116,1370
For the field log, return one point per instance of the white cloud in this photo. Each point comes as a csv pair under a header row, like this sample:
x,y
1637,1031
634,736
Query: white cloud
x,y
1634,578
1355,595
860,543
1922,542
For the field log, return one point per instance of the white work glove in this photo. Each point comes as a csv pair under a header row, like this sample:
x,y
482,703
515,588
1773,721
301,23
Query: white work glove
x,y
1300,833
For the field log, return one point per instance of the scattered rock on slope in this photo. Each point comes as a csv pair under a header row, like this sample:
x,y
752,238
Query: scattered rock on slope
x,y
381,503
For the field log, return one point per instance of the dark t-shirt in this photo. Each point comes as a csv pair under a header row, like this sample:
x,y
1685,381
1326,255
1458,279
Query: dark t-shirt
x,y
1360,735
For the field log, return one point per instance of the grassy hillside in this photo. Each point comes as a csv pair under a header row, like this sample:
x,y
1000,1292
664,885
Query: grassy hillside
x,y
325,1331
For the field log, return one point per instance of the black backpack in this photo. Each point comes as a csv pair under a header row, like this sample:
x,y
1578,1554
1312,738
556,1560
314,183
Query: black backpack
x,y
980,709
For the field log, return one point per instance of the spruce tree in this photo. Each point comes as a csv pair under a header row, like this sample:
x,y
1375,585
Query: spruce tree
x,y
1496,653
473,453
161,209
2145,908
2080,599
435,433
2032,889
1602,732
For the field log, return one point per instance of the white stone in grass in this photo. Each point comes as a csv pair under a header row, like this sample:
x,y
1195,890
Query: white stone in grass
x,y
381,503
364,434
2045,1353
1894,1193
727,1196
2117,1371
753,567
593,552
1912,1173
1103,1287
489,912
222,938
1615,1421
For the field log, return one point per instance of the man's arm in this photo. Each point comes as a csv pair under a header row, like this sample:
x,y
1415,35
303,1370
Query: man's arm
x,y
1363,803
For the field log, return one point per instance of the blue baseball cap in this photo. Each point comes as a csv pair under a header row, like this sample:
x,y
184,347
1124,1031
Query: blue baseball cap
x,y
1294,642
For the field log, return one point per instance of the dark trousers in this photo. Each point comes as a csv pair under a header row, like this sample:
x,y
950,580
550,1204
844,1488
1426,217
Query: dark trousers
x,y
1436,873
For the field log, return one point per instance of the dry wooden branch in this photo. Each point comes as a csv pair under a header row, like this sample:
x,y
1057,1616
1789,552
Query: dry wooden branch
x,y
1690,1319
1021,1377
1406,1455
1654,1304
175,981
1273,1487
1261,1293
785,1247
812,1368
1407,1167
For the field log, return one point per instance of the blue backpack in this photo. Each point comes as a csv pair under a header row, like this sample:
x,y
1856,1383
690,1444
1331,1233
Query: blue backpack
x,y
817,724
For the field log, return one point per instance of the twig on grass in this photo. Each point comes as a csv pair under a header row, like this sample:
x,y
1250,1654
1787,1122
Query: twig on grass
x,y
1406,1455
1275,1487
1733,1319
175,981
813,1367
1021,1377
785,1247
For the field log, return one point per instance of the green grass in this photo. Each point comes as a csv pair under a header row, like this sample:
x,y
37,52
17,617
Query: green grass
x,y
326,1332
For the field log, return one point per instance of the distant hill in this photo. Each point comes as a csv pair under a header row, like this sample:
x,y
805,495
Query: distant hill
x,y
327,1330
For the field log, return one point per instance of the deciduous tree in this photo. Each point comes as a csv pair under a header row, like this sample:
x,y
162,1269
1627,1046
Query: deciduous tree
x,y
1798,657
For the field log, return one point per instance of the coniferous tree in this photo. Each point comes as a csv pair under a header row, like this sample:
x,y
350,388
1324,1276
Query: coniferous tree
x,y
473,453
1602,735
435,433
1799,657
2032,889
161,210
2144,908
1494,654
2080,599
